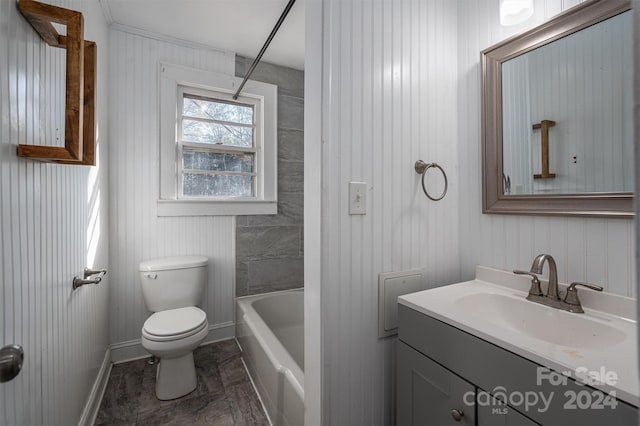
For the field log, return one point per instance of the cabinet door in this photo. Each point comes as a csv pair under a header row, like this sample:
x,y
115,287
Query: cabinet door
x,y
428,393
493,413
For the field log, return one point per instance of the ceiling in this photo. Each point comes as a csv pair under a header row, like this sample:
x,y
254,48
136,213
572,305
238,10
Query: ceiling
x,y
240,26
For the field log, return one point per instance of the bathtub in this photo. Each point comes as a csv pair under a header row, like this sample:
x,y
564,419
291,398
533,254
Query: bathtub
x,y
270,331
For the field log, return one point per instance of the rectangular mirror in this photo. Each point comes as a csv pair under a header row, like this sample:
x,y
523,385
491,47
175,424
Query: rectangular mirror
x,y
46,19
558,116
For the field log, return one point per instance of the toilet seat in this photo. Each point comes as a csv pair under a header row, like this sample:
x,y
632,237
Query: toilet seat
x,y
174,324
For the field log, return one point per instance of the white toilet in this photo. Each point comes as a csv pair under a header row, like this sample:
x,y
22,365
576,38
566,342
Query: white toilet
x,y
172,287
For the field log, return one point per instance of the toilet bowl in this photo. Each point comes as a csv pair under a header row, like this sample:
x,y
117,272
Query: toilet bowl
x,y
172,335
172,287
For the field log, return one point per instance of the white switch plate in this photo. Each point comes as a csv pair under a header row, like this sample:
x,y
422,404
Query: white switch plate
x,y
357,198
390,286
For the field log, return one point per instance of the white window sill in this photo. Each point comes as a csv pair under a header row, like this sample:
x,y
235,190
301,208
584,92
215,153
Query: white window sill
x,y
215,208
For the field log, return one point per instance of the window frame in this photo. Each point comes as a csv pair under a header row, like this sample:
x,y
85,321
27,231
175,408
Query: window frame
x,y
255,149
175,81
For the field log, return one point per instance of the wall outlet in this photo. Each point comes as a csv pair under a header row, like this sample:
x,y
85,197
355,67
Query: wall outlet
x,y
357,198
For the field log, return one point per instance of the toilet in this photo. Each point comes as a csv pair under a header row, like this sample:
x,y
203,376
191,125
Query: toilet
x,y
171,288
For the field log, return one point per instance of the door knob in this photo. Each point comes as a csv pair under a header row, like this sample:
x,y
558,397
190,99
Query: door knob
x,y
11,358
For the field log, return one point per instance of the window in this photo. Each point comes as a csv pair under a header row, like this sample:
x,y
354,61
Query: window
x,y
217,154
216,141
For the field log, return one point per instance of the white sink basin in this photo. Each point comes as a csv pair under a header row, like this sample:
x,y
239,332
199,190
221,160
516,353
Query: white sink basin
x,y
541,322
493,307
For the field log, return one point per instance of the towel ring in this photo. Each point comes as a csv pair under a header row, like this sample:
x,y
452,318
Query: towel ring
x,y
421,169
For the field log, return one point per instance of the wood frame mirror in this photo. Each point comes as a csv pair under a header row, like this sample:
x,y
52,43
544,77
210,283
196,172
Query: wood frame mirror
x,y
494,201
80,82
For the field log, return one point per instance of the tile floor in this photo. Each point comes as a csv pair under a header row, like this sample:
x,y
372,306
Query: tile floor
x,y
224,395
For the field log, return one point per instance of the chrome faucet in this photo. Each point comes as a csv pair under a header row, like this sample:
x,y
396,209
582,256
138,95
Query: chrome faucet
x,y
536,268
571,301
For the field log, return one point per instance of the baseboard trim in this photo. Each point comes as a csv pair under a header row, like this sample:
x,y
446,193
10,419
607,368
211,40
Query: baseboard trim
x,y
132,350
92,405
220,332
127,351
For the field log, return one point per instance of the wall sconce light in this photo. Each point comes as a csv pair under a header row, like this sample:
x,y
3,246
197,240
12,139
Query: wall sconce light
x,y
513,12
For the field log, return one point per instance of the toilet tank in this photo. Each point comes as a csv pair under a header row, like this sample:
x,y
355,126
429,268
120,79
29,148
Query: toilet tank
x,y
173,282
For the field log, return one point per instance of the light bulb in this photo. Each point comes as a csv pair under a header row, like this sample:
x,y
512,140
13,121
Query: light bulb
x,y
513,12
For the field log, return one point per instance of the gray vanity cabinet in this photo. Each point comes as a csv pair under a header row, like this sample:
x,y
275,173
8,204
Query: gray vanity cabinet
x,y
438,365
430,394
499,415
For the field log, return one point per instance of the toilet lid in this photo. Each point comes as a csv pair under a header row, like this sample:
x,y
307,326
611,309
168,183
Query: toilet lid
x,y
173,322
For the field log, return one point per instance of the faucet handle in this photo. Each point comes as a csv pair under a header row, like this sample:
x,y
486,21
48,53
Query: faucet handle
x,y
535,289
595,287
571,298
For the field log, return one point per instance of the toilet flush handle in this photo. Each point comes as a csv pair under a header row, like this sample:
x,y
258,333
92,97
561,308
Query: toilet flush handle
x,y
151,275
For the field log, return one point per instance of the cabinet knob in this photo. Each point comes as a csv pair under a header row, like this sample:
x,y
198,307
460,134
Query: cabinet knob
x,y
457,415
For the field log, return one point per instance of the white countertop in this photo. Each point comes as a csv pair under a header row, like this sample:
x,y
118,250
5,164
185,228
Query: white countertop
x,y
620,359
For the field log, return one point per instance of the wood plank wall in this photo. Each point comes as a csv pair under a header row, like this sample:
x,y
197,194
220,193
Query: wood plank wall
x,y
135,230
53,223
592,250
400,82
389,85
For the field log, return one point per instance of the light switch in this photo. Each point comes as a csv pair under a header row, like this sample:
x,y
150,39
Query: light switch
x,y
357,198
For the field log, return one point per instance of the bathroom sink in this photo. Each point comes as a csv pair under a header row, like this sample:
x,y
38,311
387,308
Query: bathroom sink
x,y
541,322
600,342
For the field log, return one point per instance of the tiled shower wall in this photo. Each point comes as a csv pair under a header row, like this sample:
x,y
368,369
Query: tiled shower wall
x,y
269,248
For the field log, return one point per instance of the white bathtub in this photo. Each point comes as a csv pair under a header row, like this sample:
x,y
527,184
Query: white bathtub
x,y
270,330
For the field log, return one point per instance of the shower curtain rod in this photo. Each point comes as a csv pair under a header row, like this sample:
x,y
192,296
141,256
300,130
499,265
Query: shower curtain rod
x,y
266,44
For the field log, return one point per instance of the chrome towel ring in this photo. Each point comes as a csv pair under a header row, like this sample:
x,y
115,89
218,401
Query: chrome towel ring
x,y
421,169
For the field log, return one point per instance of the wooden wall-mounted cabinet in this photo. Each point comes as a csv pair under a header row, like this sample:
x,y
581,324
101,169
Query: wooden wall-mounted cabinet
x,y
80,82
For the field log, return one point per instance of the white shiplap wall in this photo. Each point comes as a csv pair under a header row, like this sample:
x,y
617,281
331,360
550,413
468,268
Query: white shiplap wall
x,y
388,100
594,250
53,223
136,232
400,81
